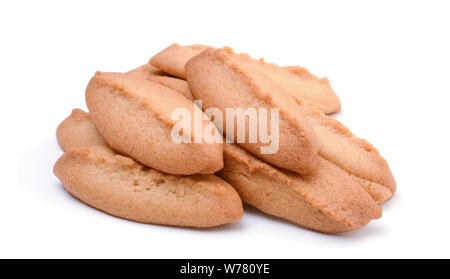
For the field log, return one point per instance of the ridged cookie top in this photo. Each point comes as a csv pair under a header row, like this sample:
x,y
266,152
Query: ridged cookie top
x,y
157,99
221,80
327,200
134,117
173,58
298,82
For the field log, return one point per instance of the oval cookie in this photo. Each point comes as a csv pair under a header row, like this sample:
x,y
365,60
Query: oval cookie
x,y
121,187
221,81
328,200
135,118
302,85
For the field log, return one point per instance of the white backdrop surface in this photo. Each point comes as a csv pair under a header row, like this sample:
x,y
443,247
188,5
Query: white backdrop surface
x,y
387,60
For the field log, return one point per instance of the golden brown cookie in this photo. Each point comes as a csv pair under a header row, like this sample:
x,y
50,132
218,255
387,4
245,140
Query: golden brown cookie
x,y
298,82
303,86
356,156
336,142
328,200
78,130
173,58
217,77
121,187
134,117
154,74
78,134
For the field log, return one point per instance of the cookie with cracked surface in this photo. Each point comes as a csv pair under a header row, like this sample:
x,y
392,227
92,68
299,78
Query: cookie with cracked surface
x,y
122,187
336,143
328,200
298,82
134,116
220,80
301,84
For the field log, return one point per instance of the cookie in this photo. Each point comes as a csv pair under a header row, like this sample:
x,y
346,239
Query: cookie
x,y
298,82
354,155
121,187
336,143
173,58
134,117
328,200
77,131
153,74
78,134
302,85
219,79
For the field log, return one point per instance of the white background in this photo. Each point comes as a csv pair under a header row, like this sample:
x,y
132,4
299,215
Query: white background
x,y
388,61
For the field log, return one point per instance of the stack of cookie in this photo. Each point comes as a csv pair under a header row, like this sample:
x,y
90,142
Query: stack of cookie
x,y
121,157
